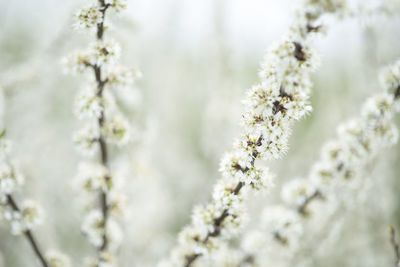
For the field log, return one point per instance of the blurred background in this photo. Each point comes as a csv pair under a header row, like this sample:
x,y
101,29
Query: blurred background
x,y
197,58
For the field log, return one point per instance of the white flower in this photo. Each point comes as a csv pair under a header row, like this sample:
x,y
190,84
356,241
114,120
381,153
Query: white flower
x,y
14,218
88,17
7,183
297,191
378,106
226,257
99,53
106,259
5,147
114,235
57,259
271,107
390,77
117,204
235,165
92,177
104,126
284,224
118,5
87,138
93,227
10,178
75,63
224,195
121,77
103,52
88,104
27,218
253,241
31,214
117,130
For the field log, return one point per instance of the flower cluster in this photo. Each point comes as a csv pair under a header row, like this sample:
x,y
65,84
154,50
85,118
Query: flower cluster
x,y
117,5
104,125
56,259
29,214
358,142
341,165
93,227
390,80
270,109
88,17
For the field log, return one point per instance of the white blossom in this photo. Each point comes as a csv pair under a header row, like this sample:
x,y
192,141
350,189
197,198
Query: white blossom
x,y
98,53
93,227
283,223
88,104
87,138
271,107
390,77
103,52
118,5
103,126
5,147
105,259
10,177
117,130
117,204
122,77
296,191
76,63
88,17
341,166
57,259
25,219
92,177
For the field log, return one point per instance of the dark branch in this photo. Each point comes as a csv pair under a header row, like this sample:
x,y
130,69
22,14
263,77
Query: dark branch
x,y
397,92
247,260
100,26
395,245
281,239
298,52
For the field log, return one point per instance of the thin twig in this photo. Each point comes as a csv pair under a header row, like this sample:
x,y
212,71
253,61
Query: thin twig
x,y
28,234
247,260
302,209
395,245
397,92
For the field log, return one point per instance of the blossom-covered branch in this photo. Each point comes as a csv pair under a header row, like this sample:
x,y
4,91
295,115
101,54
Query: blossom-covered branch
x,y
271,107
342,164
105,124
23,219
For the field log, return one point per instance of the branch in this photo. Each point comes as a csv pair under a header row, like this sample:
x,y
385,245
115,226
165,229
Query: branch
x,y
302,209
395,245
397,92
218,221
28,234
102,143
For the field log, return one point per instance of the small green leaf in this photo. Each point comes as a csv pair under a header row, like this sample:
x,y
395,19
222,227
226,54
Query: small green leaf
x,y
3,133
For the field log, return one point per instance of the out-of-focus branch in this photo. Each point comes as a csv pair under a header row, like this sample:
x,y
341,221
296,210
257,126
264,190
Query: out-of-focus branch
x,y
395,245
